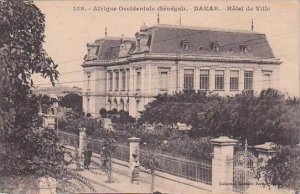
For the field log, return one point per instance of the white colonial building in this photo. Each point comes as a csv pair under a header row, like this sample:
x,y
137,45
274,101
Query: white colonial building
x,y
126,73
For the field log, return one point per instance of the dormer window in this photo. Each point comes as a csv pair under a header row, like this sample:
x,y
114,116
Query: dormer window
x,y
200,48
138,44
243,48
215,46
184,44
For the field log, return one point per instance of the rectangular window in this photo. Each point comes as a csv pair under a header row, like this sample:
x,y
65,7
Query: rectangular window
x,y
138,80
204,79
123,80
266,80
110,80
248,80
163,80
188,79
116,80
219,80
234,80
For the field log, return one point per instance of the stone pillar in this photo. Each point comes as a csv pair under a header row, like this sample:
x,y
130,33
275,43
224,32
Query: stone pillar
x,y
222,165
49,121
265,151
82,144
47,185
134,148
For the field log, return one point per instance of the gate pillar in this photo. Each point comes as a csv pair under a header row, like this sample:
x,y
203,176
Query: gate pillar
x,y
134,149
222,165
265,151
82,144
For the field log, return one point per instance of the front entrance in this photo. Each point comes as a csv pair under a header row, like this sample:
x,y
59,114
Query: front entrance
x,y
244,163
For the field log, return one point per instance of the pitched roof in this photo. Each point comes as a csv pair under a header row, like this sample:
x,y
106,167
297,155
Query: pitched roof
x,y
167,38
108,47
104,46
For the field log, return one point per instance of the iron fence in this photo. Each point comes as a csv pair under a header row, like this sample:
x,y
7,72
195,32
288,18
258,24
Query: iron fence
x,y
121,152
69,139
192,170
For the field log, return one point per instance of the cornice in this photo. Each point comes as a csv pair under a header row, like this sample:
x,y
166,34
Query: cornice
x,y
186,57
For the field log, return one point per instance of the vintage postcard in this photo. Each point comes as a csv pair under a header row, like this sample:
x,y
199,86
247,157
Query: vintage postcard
x,y
158,96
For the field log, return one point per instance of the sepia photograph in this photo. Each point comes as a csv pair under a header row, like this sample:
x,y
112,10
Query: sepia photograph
x,y
154,96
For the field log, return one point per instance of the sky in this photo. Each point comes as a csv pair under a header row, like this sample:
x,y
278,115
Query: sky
x,y
70,25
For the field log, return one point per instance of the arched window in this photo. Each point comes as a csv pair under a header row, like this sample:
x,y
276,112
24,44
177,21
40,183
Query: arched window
x,y
115,105
122,105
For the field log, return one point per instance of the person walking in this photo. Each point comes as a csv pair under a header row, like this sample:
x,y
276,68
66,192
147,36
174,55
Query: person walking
x,y
87,158
135,169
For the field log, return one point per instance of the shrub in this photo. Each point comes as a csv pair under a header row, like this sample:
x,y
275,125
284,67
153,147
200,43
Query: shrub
x,y
283,169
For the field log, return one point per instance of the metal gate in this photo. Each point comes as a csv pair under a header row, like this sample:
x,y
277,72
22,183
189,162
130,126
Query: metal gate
x,y
244,163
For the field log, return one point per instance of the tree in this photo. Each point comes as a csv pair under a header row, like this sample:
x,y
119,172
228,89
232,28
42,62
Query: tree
x,y
283,169
103,112
73,101
258,118
72,121
27,151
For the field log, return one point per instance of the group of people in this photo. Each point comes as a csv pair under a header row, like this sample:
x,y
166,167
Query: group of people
x,y
87,156
104,160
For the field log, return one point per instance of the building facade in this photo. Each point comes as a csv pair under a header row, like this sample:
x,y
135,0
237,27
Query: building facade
x,y
127,73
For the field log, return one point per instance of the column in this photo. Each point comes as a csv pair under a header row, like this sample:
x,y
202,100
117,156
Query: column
x,y
212,79
143,80
134,148
197,79
132,81
113,80
120,80
149,77
88,88
107,81
222,165
258,80
241,80
227,80
126,79
180,77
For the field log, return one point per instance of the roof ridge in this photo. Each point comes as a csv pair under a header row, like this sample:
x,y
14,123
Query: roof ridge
x,y
202,28
115,38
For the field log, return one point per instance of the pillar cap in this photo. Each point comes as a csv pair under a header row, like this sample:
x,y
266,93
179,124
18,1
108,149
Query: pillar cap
x,y
224,141
266,147
49,181
134,139
82,129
